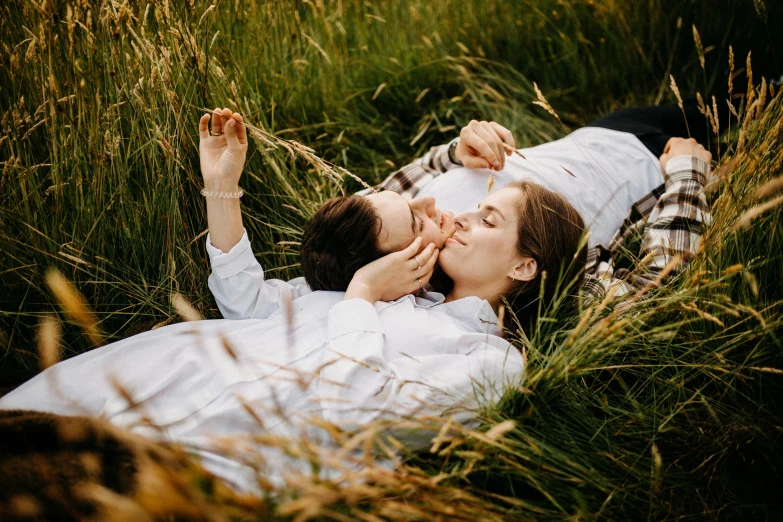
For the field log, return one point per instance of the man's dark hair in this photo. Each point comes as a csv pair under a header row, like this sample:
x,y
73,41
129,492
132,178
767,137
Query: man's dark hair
x,y
338,240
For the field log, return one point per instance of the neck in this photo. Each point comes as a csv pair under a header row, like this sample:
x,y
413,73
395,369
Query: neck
x,y
491,295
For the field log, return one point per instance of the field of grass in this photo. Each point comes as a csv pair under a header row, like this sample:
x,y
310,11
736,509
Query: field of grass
x,y
672,411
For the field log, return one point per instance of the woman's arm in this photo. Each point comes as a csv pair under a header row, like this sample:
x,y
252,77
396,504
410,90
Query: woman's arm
x,y
360,382
237,279
238,284
222,155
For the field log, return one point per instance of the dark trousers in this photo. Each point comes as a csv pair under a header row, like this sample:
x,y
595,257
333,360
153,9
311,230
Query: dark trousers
x,y
655,125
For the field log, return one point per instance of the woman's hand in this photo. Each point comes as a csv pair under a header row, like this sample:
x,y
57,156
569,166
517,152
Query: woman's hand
x,y
683,147
222,151
481,145
394,275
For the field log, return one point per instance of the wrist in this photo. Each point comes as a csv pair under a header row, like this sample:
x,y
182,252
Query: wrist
x,y
221,186
358,289
454,157
686,168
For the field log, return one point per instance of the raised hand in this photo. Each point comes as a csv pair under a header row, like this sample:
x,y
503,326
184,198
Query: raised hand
x,y
394,275
222,151
683,147
481,145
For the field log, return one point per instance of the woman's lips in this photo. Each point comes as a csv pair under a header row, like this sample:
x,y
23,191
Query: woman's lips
x,y
457,239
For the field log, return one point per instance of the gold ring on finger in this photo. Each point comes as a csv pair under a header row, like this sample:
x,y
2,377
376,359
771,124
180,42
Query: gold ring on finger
x,y
217,133
418,263
421,286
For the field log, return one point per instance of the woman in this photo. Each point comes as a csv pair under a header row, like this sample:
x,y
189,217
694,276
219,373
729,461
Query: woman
x,y
288,359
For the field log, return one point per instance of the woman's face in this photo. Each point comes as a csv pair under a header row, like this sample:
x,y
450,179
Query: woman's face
x,y
482,253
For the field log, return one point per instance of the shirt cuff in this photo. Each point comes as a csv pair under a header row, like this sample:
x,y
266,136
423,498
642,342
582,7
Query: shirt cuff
x,y
227,264
686,168
353,315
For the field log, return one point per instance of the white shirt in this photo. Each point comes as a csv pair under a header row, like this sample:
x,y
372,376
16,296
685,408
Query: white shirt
x,y
346,362
602,172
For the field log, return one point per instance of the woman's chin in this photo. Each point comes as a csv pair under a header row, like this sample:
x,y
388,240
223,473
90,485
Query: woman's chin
x,y
448,259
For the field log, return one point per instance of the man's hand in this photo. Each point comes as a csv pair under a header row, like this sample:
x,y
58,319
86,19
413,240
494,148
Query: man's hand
x,y
683,147
481,145
394,275
222,151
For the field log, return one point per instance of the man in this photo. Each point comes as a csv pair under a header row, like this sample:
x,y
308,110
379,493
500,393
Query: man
x,y
605,170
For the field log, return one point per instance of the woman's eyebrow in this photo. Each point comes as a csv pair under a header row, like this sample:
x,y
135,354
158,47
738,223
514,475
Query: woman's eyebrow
x,y
413,221
490,208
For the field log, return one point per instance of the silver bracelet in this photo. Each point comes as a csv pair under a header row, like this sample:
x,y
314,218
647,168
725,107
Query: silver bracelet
x,y
234,195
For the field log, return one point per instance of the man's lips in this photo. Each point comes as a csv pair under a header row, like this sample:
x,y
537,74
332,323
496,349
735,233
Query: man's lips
x,y
446,220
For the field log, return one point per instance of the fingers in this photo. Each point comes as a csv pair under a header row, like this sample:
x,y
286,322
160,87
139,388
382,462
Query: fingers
x,y
231,134
421,259
241,130
495,143
496,156
410,251
431,260
489,140
422,276
475,162
217,121
203,127
478,142
224,121
505,135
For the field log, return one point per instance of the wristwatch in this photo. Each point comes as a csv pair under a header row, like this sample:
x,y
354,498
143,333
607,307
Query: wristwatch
x,y
452,148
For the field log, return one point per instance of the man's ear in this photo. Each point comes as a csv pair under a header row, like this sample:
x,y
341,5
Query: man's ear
x,y
525,270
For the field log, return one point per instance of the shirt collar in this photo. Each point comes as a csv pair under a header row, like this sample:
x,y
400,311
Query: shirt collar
x,y
474,312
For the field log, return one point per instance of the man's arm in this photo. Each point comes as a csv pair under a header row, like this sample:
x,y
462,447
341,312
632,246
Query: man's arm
x,y
480,145
410,178
671,220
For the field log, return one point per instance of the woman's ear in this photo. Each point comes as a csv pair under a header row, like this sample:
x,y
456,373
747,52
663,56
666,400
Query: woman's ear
x,y
525,270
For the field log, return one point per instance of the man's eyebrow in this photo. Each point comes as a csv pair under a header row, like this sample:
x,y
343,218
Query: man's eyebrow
x,y
490,208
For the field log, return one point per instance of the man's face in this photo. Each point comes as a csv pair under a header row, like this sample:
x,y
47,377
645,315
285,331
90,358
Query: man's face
x,y
404,219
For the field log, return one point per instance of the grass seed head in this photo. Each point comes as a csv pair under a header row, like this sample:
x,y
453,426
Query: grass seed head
x,y
49,341
74,305
183,307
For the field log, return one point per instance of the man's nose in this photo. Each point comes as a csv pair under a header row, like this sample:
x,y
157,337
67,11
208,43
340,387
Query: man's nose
x,y
426,204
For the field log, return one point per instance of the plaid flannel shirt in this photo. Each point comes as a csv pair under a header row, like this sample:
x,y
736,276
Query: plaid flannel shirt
x,y
668,221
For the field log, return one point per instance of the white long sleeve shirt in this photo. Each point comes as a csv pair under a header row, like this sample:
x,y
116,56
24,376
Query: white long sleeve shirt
x,y
293,354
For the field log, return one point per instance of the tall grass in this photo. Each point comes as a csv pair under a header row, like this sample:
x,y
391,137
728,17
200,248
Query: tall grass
x,y
670,411
100,100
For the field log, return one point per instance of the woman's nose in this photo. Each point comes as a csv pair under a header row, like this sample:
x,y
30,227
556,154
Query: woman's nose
x,y
460,221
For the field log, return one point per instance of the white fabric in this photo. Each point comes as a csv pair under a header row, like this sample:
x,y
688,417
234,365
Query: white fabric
x,y
602,172
390,360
